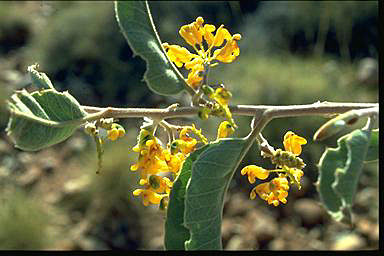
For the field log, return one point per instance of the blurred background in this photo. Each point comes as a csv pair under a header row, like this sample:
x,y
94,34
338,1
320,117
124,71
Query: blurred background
x,y
290,53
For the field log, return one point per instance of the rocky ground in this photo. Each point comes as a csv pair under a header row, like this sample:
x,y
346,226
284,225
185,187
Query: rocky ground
x,y
83,219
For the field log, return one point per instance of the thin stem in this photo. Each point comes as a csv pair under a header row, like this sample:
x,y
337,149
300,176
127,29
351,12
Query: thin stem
x,y
264,113
315,109
170,128
198,96
371,119
265,148
372,112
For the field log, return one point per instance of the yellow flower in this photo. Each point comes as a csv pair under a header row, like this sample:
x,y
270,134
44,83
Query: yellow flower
x,y
157,183
175,161
225,129
222,96
276,190
194,34
148,196
179,55
295,175
151,155
185,136
293,142
143,137
221,35
184,146
230,51
273,192
196,68
113,134
254,172
154,159
148,164
207,33
116,131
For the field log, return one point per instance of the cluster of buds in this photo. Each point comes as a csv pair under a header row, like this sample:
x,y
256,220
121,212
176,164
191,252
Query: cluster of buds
x,y
221,96
288,165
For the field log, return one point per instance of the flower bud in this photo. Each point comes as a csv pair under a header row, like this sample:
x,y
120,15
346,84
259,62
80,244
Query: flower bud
x,y
204,113
207,90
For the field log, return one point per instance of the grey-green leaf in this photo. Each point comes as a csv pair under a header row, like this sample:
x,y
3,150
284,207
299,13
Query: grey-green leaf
x,y
197,196
339,172
136,24
32,114
211,174
175,232
39,79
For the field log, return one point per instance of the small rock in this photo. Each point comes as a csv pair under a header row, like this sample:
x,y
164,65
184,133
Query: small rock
x,y
238,205
261,227
77,185
157,243
374,235
26,158
365,198
4,172
227,229
237,243
30,176
317,245
310,212
348,242
4,147
369,229
48,164
277,244
10,163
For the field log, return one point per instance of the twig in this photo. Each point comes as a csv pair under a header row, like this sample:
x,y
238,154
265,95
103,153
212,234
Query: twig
x,y
317,109
266,113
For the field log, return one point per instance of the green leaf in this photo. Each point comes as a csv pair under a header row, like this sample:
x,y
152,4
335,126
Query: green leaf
x,y
204,200
175,232
196,202
136,24
39,79
337,124
35,121
373,148
339,172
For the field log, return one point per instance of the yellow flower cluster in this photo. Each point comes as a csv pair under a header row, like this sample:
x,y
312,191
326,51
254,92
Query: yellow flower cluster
x,y
155,161
116,131
104,129
288,165
204,42
210,48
